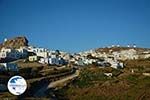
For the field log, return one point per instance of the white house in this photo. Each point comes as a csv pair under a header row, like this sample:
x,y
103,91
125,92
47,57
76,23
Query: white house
x,y
114,63
108,74
33,58
126,54
145,54
41,52
88,61
67,57
129,54
79,62
9,53
52,61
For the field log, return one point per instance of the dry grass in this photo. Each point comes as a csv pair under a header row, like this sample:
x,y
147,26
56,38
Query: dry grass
x,y
126,86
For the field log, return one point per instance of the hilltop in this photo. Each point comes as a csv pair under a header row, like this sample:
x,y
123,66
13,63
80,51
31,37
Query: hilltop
x,y
15,42
118,49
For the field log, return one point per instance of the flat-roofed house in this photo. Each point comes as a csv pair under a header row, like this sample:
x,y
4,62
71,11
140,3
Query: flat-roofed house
x,y
41,52
9,54
33,58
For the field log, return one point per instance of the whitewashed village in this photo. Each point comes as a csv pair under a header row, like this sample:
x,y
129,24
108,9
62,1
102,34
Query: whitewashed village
x,y
44,56
62,66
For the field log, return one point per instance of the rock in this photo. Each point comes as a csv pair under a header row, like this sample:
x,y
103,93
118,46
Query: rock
x,y
15,43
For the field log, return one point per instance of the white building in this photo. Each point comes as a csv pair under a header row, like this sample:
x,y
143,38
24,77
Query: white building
x,y
108,74
33,58
9,53
79,62
144,55
89,61
52,61
114,63
44,61
41,52
126,54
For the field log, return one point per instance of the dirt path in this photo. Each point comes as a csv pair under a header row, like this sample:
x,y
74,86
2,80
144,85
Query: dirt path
x,y
62,81
41,92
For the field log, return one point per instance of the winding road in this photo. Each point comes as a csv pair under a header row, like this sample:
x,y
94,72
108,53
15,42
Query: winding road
x,y
61,82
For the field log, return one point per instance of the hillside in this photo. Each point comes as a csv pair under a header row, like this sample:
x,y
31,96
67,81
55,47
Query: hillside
x,y
119,49
93,85
15,42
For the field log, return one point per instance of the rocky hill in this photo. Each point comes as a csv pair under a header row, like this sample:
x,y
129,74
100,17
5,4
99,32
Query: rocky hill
x,y
15,42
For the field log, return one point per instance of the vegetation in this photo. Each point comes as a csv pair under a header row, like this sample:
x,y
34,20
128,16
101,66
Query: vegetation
x,y
36,76
91,84
89,77
124,85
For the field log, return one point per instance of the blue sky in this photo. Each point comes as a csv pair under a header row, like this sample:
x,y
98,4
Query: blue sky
x,y
76,25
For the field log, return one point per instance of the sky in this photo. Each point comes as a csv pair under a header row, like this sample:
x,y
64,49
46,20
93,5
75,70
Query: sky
x,y
76,25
